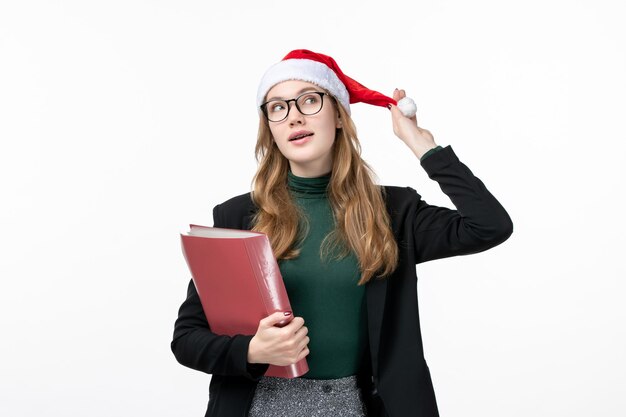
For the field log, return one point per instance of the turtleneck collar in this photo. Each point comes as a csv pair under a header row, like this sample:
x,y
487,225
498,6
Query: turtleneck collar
x,y
308,187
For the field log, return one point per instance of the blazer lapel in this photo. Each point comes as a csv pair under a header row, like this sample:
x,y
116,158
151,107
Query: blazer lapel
x,y
247,220
376,294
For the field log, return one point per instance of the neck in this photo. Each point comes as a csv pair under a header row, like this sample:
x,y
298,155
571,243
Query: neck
x,y
311,170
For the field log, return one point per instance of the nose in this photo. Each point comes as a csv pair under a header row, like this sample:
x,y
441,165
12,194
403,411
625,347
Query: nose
x,y
294,116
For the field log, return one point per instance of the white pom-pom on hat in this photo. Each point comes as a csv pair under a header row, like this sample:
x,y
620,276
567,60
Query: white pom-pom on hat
x,y
407,106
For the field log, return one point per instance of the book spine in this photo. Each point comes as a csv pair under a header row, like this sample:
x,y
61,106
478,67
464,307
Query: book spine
x,y
269,280
274,295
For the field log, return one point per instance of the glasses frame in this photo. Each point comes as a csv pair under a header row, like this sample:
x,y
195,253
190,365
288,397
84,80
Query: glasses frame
x,y
295,101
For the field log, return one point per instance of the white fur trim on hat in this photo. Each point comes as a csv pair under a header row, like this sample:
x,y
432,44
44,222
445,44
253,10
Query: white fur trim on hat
x,y
304,70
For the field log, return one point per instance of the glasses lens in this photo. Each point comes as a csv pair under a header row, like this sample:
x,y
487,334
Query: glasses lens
x,y
276,110
310,103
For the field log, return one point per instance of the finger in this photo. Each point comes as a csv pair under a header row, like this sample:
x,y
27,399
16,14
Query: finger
x,y
302,338
302,331
275,318
394,110
295,324
304,343
304,353
396,114
398,94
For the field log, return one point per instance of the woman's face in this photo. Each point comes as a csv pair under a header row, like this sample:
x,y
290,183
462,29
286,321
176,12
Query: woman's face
x,y
306,141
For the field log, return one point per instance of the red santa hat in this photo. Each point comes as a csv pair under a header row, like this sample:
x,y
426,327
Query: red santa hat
x,y
322,70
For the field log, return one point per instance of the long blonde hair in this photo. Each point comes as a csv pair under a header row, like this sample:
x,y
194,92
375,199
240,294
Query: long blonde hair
x,y
362,222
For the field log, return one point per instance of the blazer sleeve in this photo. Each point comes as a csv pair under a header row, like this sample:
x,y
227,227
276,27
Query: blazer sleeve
x,y
194,344
478,223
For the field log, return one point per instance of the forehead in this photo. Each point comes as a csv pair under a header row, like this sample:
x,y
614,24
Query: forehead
x,y
289,89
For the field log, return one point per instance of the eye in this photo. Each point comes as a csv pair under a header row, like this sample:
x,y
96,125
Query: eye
x,y
310,99
276,107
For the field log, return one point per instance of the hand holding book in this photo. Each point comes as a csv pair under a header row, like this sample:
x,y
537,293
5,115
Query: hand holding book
x,y
279,345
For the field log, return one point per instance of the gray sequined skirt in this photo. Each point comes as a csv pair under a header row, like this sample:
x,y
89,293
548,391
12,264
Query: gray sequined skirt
x,y
295,397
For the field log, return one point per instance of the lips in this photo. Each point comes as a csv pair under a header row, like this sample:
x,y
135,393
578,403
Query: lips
x,y
299,135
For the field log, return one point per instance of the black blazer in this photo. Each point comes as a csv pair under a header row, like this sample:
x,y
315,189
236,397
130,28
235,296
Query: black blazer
x,y
394,380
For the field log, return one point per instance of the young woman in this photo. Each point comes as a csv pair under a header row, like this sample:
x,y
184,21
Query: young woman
x,y
347,250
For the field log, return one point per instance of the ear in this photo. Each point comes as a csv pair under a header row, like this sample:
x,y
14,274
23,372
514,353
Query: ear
x,y
338,124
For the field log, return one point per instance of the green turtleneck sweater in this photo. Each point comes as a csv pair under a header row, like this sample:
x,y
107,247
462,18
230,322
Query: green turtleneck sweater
x,y
325,292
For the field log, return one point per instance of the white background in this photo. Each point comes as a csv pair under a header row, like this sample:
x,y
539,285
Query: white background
x,y
121,122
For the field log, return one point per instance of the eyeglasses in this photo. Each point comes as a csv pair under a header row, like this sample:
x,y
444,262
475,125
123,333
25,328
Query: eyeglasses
x,y
308,104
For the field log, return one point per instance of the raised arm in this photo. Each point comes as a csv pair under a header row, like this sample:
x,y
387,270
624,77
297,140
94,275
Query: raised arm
x,y
479,221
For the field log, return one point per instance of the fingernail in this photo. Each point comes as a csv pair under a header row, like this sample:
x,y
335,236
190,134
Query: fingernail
x,y
287,313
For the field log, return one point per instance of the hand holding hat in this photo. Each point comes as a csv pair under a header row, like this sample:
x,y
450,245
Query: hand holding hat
x,y
419,140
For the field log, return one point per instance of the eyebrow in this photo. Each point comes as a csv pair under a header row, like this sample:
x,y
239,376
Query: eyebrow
x,y
305,89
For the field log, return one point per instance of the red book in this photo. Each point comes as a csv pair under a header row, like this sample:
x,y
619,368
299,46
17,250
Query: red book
x,y
239,283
